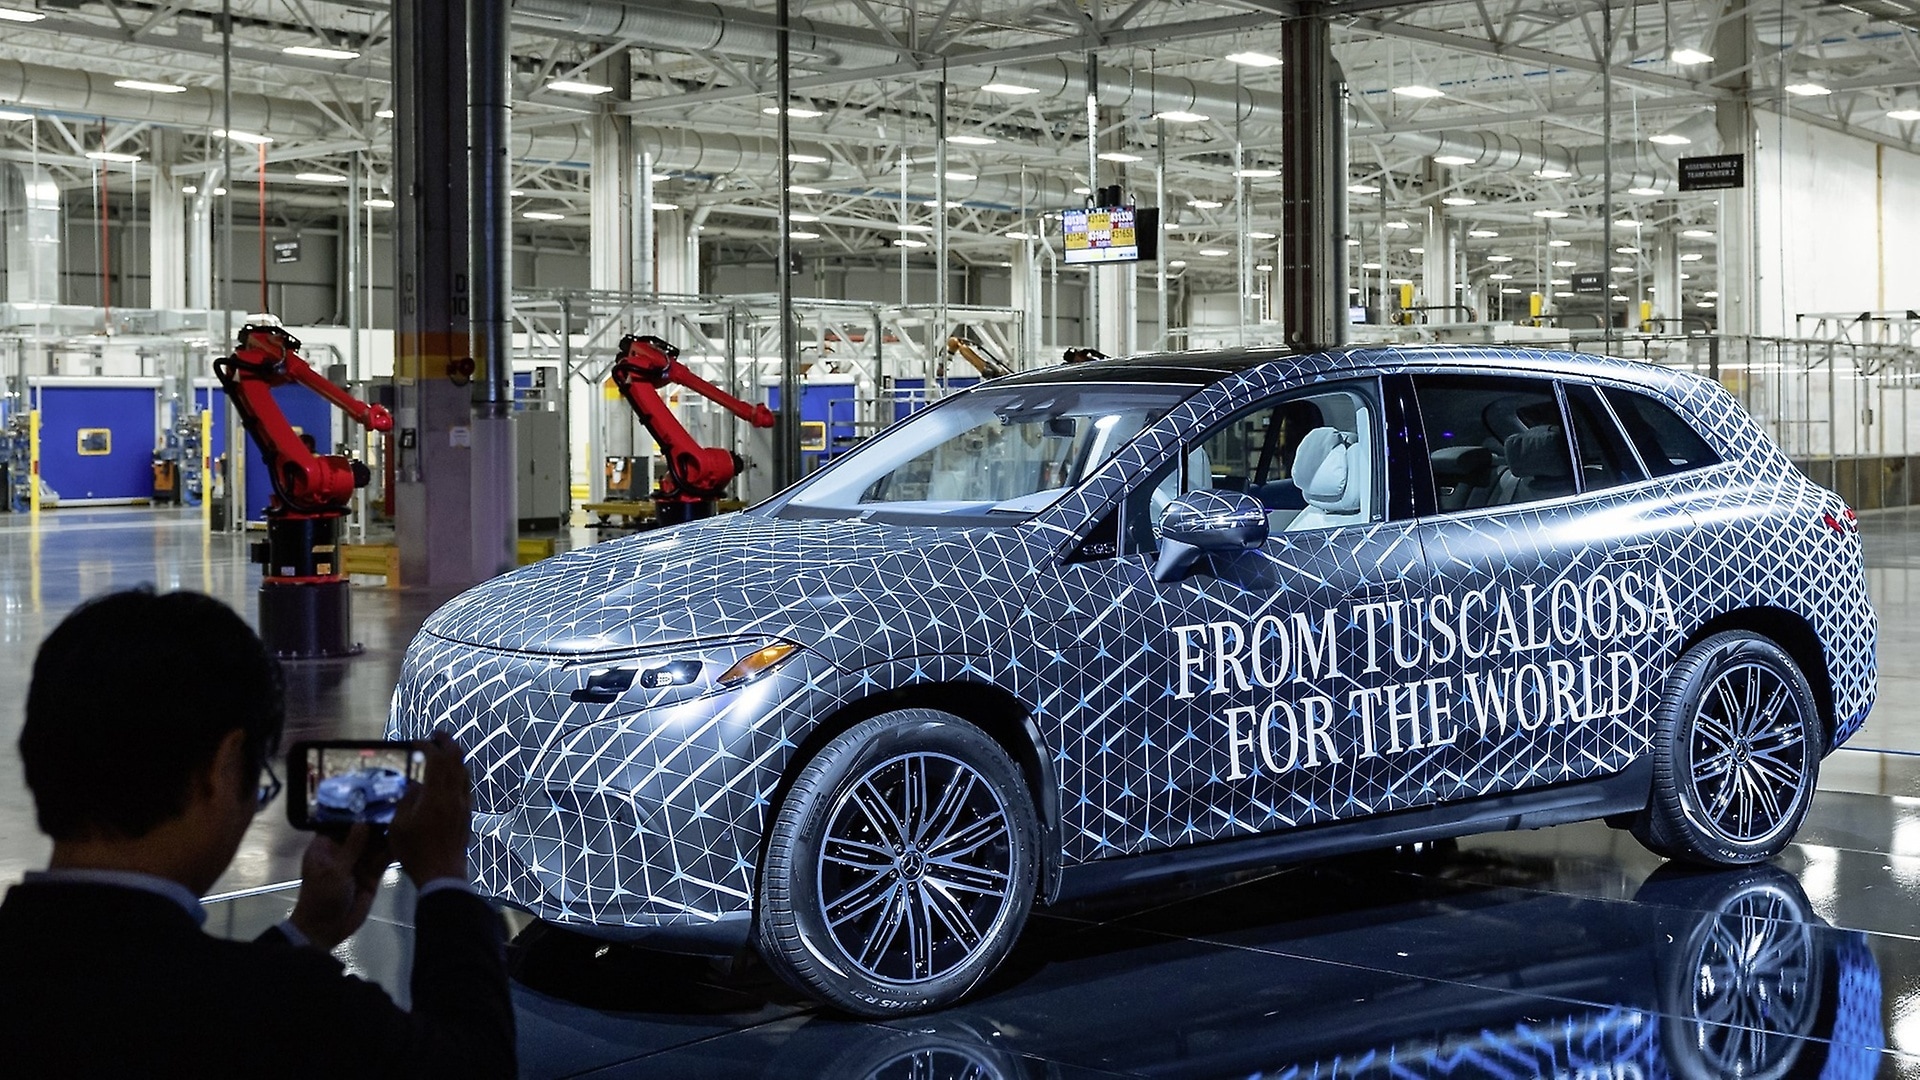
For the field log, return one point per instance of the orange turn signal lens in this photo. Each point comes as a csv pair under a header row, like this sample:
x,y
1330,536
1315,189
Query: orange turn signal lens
x,y
757,663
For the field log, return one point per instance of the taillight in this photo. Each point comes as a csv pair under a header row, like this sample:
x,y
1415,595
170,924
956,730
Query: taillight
x,y
1846,523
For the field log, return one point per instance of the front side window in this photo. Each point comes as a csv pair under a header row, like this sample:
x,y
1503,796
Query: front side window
x,y
1666,443
1308,457
1000,453
1493,440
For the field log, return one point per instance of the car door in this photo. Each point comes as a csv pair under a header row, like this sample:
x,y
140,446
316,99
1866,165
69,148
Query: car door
x,y
1222,702
1545,588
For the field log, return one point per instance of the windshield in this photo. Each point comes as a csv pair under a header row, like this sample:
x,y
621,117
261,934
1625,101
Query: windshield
x,y
991,452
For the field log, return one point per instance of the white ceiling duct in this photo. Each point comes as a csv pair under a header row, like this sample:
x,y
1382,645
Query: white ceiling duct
x,y
89,93
29,234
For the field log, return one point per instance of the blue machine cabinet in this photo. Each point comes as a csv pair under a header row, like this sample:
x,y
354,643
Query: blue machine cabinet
x,y
116,466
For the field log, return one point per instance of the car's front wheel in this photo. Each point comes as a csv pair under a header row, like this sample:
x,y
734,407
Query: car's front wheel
x,y
900,867
1736,753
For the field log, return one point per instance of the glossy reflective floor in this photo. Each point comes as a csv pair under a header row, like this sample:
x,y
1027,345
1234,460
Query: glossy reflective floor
x,y
1564,953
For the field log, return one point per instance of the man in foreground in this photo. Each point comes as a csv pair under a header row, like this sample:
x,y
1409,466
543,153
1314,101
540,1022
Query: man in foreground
x,y
151,720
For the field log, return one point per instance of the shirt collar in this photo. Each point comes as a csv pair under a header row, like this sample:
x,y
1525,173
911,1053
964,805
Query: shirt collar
x,y
126,879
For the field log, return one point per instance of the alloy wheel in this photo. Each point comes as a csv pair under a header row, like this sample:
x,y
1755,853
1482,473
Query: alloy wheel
x,y
1746,754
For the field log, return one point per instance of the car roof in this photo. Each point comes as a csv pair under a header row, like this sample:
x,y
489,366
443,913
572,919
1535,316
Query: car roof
x,y
1205,368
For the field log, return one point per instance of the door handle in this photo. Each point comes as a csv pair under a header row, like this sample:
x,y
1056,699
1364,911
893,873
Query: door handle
x,y
1631,553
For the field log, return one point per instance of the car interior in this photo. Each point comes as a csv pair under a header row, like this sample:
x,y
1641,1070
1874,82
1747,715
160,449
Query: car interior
x,y
1494,443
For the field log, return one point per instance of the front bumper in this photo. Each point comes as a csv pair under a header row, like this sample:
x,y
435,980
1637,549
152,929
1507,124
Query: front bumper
x,y
639,820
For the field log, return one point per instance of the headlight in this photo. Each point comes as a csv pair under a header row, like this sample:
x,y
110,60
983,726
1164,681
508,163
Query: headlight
x,y
664,670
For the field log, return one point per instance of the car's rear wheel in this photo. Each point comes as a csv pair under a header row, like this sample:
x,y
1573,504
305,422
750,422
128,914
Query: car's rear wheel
x,y
900,867
1736,753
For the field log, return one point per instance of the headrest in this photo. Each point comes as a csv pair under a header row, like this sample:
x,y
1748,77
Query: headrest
x,y
1456,463
1323,468
1539,454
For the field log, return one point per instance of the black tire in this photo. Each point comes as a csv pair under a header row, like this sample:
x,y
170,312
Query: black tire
x,y
853,868
1737,747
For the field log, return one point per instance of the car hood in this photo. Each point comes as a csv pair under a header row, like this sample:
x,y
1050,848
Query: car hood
x,y
733,576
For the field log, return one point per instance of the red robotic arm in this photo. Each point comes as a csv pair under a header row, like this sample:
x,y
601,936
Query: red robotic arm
x,y
307,482
695,472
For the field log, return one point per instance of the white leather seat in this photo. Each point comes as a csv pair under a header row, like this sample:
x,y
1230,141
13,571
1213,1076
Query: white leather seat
x,y
1332,469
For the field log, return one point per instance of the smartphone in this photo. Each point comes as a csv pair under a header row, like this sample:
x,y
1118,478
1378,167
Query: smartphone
x,y
342,782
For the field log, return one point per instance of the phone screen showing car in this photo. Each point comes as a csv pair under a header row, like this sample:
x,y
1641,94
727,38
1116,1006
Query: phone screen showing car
x,y
339,784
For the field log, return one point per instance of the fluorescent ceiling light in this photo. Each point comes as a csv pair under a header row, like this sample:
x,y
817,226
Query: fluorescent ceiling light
x,y
1621,269
1115,155
1214,253
319,53
9,114
1400,281
1668,138
219,191
1353,241
1256,174
1566,294
659,177
804,159
1692,256
962,177
1807,89
1499,277
915,227
1453,159
1551,174
1019,235
1904,114
1417,250
1618,297
543,215
1262,236
575,86
190,190
1009,89
320,178
661,207
1559,243
790,217
1644,191
906,242
801,234
1363,189
1627,223
113,155
247,137
149,87
1416,91
1711,295
1626,251
383,114
1083,191
1705,304
1697,234
1550,213
798,112
1560,281
1398,225
1265,268
1180,116
1254,59
1482,234
1512,292
952,204
16,15
1178,263
1459,200
1369,266
1564,263
1500,258
1689,56
802,189
972,140
378,204
1204,204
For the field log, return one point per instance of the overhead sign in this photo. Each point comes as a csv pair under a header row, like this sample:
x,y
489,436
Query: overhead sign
x,y
286,251
1100,234
1592,282
1713,173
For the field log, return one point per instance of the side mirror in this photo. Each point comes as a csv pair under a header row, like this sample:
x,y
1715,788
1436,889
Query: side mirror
x,y
1204,523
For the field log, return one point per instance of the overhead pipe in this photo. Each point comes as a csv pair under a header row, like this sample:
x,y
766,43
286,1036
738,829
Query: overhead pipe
x,y
91,93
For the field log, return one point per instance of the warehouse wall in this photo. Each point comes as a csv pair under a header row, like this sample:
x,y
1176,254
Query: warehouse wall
x,y
1835,226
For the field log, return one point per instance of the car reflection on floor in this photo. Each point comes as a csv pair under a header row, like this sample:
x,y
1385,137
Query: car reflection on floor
x,y
1349,968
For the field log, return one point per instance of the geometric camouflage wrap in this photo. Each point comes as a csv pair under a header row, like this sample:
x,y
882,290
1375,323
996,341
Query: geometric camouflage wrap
x,y
1329,675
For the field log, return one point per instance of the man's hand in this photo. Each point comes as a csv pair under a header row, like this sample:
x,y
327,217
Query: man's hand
x,y
435,819
337,881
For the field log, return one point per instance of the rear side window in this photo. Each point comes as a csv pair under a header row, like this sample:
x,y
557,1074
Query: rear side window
x,y
1493,440
1666,443
1605,460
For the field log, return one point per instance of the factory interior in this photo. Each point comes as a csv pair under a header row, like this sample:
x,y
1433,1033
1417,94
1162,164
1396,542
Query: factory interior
x,y
473,234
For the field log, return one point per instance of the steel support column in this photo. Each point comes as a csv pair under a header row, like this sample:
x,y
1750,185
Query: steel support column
x,y
167,217
433,490
1313,275
1739,293
490,256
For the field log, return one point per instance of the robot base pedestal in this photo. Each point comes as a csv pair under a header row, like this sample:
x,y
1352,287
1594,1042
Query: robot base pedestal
x,y
308,620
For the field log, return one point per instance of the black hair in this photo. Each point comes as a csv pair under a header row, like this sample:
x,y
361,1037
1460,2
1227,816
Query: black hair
x,y
131,695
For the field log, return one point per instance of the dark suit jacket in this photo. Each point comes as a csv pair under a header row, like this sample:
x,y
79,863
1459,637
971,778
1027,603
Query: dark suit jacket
x,y
104,981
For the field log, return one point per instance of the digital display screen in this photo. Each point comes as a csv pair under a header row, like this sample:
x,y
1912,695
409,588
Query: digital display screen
x,y
345,785
1101,234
